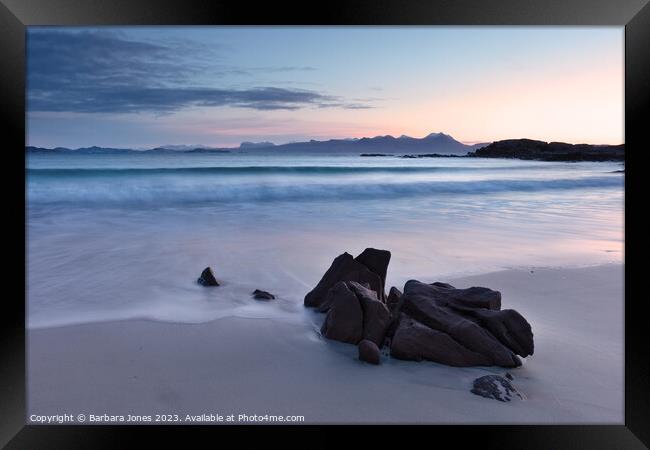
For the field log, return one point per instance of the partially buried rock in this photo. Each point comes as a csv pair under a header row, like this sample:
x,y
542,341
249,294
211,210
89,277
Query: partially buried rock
x,y
496,387
262,295
369,352
207,278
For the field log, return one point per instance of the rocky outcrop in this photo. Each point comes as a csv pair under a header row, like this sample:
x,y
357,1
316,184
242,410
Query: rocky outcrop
x,y
435,322
262,295
369,267
496,387
207,278
550,151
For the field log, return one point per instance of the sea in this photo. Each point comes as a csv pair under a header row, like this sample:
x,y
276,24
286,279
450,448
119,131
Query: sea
x,y
125,236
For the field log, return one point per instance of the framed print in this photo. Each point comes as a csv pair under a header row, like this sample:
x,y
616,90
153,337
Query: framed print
x,y
357,215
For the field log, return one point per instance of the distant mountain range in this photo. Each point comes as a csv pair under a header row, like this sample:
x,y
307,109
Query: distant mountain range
x,y
433,143
112,151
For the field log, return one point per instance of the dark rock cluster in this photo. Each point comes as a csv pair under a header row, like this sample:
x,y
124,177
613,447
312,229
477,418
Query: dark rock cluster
x,y
550,151
207,279
435,322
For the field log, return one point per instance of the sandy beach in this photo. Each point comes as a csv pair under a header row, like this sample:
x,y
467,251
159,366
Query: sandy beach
x,y
282,366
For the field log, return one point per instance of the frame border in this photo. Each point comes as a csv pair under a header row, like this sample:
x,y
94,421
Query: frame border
x,y
16,15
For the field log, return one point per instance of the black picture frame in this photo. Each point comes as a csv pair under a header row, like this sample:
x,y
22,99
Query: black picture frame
x,y
15,15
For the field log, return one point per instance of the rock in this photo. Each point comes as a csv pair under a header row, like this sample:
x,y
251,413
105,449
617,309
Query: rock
x,y
377,261
207,278
422,303
508,326
509,376
435,322
394,303
550,151
444,294
343,268
415,341
344,320
393,299
376,317
369,352
262,295
496,387
443,285
350,301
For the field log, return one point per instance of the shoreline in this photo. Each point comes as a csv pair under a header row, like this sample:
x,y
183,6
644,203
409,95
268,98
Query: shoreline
x,y
274,366
451,278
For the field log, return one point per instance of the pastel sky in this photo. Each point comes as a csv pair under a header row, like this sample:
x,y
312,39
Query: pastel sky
x,y
141,87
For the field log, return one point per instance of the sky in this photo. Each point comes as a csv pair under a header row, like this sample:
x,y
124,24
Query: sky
x,y
142,87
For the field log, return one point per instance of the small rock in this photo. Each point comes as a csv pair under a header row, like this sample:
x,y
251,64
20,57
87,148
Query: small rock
x,y
496,387
369,352
262,295
207,278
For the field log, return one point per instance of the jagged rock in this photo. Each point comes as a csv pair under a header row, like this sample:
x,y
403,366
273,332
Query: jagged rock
x,y
496,387
377,261
344,268
443,294
415,341
344,320
393,299
420,302
207,278
375,314
393,302
262,295
355,313
508,326
369,352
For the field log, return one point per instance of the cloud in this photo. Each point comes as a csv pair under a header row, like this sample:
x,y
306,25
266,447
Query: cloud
x,y
109,72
